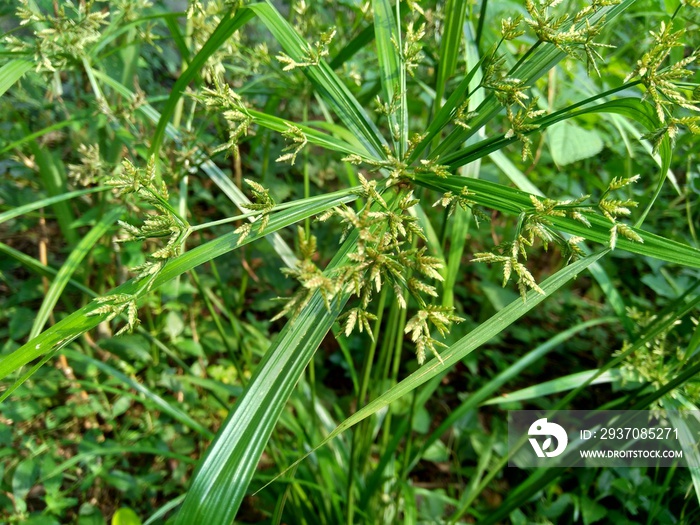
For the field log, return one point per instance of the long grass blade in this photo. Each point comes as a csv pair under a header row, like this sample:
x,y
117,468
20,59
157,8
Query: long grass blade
x,y
54,181
222,478
42,203
392,72
455,12
12,72
312,135
325,81
490,388
513,202
560,384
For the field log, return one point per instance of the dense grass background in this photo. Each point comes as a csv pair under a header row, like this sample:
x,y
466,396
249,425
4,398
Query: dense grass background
x,y
215,406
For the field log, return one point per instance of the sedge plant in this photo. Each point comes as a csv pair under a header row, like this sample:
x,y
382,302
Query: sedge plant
x,y
446,93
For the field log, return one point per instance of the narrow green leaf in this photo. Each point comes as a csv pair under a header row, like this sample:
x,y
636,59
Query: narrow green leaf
x,y
461,219
35,266
542,477
111,450
449,47
118,27
312,135
326,82
447,112
69,267
513,202
12,72
228,25
513,371
633,108
42,203
392,72
560,384
221,481
178,38
516,176
54,181
75,118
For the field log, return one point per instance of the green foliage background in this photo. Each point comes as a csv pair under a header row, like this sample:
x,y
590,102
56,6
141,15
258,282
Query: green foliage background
x,y
167,176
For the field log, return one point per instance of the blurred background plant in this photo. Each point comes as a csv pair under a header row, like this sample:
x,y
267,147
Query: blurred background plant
x,y
382,151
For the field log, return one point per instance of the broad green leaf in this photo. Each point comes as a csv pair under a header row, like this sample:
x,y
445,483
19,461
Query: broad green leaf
x,y
23,479
125,516
591,511
12,72
569,143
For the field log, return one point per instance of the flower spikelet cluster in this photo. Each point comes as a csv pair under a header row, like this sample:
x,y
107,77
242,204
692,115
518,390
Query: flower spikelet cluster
x,y
313,54
614,209
223,99
162,223
66,36
385,255
263,203
534,224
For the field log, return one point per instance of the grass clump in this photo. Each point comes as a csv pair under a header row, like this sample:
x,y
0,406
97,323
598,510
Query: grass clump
x,y
223,229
